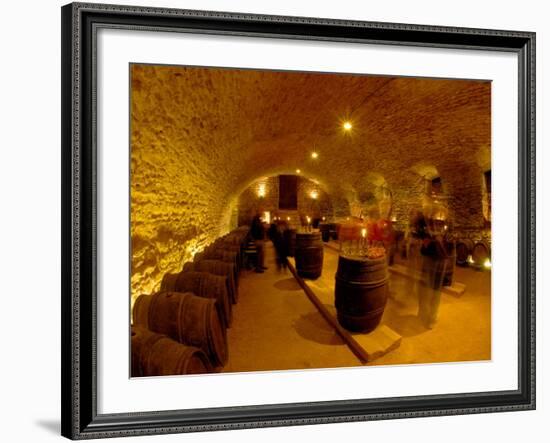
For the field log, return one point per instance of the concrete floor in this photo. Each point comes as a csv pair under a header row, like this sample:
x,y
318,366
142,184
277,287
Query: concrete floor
x,y
276,327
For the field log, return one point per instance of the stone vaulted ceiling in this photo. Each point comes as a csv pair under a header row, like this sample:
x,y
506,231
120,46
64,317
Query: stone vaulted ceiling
x,y
200,136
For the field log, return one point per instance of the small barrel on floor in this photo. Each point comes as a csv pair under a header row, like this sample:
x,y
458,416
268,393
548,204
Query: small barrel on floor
x,y
481,252
361,292
463,251
184,317
156,354
325,231
309,254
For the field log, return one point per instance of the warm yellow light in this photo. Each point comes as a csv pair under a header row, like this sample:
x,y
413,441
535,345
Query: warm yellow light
x,y
261,190
347,126
314,154
394,219
298,171
324,218
314,194
487,264
364,232
470,259
288,219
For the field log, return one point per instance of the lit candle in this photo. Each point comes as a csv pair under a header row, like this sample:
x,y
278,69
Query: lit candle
x,y
363,239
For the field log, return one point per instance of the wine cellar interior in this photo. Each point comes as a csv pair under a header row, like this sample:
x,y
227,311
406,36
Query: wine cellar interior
x,y
290,220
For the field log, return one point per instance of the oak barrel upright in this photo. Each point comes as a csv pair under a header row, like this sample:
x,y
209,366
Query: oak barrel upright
x,y
361,292
309,254
325,231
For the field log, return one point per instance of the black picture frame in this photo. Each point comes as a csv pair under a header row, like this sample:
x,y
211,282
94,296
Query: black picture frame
x,y
79,175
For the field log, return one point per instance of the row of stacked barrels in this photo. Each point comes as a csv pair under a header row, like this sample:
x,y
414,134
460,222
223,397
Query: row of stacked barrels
x,y
182,329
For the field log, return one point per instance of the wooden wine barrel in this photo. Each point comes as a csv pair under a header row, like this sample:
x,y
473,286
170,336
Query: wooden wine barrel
x,y
309,254
480,253
156,354
222,254
188,267
361,292
290,241
463,250
184,317
236,249
169,282
325,231
218,267
206,285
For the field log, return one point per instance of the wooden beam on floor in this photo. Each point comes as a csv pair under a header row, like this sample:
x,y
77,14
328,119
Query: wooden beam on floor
x,y
354,346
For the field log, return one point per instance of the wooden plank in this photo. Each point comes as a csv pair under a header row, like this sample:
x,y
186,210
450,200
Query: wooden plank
x,y
354,346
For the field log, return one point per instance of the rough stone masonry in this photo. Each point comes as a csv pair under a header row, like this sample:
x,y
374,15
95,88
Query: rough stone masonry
x,y
201,136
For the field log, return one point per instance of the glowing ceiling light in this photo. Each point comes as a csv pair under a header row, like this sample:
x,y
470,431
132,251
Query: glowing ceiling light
x,y
314,155
298,171
261,190
347,126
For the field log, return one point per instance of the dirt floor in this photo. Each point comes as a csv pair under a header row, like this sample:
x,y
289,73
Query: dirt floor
x,y
275,326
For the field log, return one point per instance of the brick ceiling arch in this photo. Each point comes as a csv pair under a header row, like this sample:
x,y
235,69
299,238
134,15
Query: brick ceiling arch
x,y
198,135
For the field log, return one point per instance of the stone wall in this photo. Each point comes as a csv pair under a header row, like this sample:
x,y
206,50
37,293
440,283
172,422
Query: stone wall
x,y
263,195
200,136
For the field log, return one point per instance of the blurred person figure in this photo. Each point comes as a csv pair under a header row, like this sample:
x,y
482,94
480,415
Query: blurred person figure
x,y
280,246
257,233
434,261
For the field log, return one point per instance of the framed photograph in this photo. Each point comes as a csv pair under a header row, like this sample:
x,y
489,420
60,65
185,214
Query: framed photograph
x,y
274,221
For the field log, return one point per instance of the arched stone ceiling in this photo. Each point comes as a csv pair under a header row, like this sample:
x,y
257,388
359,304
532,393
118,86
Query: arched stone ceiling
x,y
199,136
255,123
